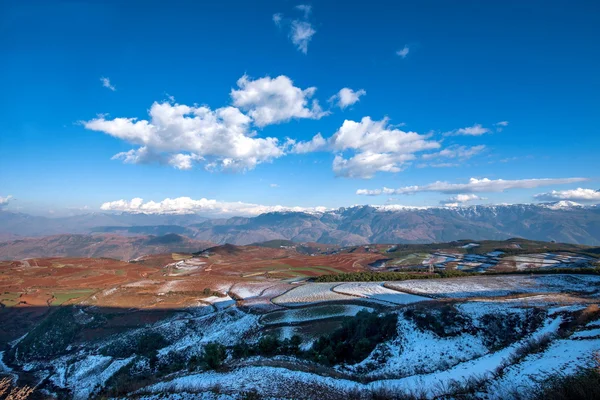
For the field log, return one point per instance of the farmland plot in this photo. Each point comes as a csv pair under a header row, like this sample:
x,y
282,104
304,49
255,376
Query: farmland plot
x,y
310,293
376,291
312,314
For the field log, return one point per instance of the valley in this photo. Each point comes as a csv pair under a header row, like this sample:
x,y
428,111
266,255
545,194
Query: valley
x,y
216,321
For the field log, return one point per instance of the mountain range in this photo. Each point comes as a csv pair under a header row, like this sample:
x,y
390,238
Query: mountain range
x,y
560,222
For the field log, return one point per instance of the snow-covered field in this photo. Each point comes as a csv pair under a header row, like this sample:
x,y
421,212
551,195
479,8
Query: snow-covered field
x,y
492,286
421,357
312,313
310,293
376,291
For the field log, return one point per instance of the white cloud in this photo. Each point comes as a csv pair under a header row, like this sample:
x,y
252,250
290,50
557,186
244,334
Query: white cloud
x,y
347,97
184,161
475,130
438,165
305,8
579,194
106,83
274,185
317,143
141,155
301,33
455,201
187,205
403,52
366,164
376,147
500,125
301,30
221,136
5,200
474,186
274,100
455,151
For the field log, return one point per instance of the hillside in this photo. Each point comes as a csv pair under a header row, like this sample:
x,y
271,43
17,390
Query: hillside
x,y
105,245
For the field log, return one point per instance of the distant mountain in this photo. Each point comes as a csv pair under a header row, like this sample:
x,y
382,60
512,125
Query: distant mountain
x,y
28,225
561,221
359,225
112,246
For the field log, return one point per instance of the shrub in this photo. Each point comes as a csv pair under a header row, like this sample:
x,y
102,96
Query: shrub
x,y
355,339
445,321
213,355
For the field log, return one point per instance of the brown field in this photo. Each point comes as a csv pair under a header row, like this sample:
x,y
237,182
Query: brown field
x,y
161,281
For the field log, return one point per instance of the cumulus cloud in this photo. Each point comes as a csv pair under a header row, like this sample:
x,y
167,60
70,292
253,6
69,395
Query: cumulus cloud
x,y
106,83
187,205
347,97
403,52
184,161
579,194
376,146
475,130
455,151
277,18
317,143
5,200
459,199
275,100
473,186
179,134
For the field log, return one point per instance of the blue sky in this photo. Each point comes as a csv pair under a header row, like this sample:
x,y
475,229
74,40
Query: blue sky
x,y
439,77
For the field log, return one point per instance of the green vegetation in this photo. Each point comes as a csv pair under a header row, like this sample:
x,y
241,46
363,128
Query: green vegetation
x,y
444,321
62,297
213,355
10,299
268,345
352,342
51,337
389,276
274,244
355,339
146,345
209,292
402,276
180,257
583,385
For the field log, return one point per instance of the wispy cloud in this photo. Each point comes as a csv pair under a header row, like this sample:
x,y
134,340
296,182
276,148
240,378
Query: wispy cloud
x,y
5,200
473,186
106,83
305,8
500,125
456,151
475,130
403,52
301,30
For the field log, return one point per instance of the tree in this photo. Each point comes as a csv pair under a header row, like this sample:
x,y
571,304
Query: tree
x,y
214,354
